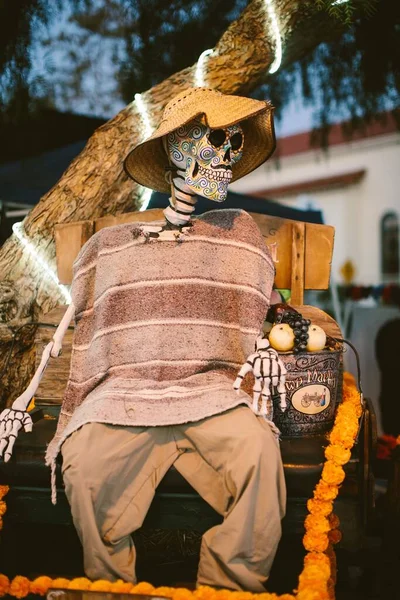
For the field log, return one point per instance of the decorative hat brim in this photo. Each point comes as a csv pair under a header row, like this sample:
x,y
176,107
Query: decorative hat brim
x,y
146,163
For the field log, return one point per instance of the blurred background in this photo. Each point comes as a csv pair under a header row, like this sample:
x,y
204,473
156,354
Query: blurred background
x,y
67,67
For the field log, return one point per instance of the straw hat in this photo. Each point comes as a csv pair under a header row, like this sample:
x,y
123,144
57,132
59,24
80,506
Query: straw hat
x,y
147,161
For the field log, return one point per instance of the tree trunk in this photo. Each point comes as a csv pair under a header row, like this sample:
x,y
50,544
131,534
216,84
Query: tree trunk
x,y
95,184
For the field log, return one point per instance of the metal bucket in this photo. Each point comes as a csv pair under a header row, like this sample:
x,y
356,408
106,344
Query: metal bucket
x,y
313,387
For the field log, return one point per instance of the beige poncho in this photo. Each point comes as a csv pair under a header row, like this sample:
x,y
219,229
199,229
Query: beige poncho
x,y
162,327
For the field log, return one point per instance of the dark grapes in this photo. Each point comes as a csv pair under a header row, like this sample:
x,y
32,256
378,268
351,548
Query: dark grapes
x,y
300,329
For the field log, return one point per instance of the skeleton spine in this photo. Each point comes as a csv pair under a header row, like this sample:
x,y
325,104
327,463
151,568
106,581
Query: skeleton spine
x,y
181,204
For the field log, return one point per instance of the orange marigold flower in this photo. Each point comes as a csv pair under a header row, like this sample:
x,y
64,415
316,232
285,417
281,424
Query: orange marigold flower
x,y
335,535
319,507
4,489
337,454
60,582
311,571
226,595
332,474
348,378
19,587
142,588
40,585
313,593
348,413
241,595
204,592
331,589
4,585
3,508
315,542
316,558
162,591
345,439
122,587
182,594
79,583
334,521
330,552
324,491
316,524
101,585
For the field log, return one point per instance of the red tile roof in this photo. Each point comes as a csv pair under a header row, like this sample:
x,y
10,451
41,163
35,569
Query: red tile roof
x,y
301,142
311,185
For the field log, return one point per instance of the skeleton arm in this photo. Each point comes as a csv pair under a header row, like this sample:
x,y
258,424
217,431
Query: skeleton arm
x,y
269,374
14,418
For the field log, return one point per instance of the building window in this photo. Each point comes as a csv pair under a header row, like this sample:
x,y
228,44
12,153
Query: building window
x,y
390,246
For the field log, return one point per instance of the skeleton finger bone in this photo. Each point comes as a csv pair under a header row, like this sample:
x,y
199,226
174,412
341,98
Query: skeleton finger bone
x,y
27,423
282,395
2,428
3,444
246,368
8,452
9,425
256,395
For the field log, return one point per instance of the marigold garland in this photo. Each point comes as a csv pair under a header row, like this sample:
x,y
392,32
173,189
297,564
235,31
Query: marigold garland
x,y
318,577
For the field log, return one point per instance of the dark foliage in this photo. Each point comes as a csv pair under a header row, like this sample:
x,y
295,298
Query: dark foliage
x,y
355,76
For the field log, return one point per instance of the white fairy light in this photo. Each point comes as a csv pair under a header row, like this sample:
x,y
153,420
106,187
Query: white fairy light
x,y
148,130
199,72
339,2
145,198
144,113
19,232
269,7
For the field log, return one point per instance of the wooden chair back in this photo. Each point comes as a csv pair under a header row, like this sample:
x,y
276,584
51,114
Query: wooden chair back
x,y
302,252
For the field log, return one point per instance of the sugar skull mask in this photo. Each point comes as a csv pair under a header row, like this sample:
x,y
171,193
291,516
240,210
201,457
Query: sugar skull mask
x,y
204,157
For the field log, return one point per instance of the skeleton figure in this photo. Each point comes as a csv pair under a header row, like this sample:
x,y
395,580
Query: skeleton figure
x,y
201,162
269,373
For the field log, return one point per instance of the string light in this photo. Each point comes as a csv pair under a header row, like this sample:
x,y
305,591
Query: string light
x,y
19,232
144,114
269,7
145,198
199,72
148,130
339,2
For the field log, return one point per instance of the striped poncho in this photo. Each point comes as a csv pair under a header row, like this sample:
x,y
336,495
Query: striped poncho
x,y
162,327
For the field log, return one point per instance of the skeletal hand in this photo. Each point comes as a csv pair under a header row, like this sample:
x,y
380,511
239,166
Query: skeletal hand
x,y
269,373
11,422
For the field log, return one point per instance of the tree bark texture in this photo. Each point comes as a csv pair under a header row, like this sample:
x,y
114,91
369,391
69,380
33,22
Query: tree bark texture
x,y
95,184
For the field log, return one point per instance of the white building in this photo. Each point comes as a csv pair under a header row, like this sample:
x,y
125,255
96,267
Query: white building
x,y
356,183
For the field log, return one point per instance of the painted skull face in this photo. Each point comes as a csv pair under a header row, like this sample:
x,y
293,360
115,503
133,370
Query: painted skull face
x,y
205,156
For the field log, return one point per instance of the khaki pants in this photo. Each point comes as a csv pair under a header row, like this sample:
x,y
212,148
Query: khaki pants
x,y
232,460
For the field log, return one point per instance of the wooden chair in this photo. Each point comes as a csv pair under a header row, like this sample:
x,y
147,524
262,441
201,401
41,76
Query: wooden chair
x,y
178,516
